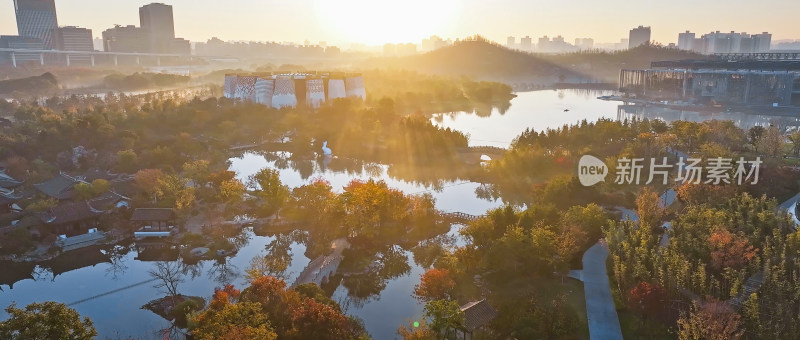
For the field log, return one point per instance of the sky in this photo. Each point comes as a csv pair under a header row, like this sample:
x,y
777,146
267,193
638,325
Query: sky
x,y
375,22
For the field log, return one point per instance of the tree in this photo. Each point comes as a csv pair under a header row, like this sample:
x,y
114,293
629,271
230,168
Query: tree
x,y
418,330
231,191
648,298
709,321
168,276
771,143
197,171
729,250
271,192
234,321
45,321
83,191
754,136
649,208
100,186
444,316
310,202
127,160
435,284
149,181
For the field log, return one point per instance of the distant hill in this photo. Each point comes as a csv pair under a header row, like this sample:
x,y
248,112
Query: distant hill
x,y
484,60
45,84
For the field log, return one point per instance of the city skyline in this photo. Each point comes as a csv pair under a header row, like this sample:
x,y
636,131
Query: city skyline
x,y
375,23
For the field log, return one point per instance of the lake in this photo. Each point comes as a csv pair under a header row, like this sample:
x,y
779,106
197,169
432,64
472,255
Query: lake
x,y
122,271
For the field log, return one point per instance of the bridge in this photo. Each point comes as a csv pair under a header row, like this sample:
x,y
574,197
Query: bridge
x,y
471,153
758,56
458,217
16,52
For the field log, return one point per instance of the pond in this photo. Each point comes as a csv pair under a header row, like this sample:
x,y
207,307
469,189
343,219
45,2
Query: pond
x,y
122,272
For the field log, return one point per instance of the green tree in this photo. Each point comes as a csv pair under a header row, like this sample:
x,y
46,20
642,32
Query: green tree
x,y
46,321
271,192
127,161
444,316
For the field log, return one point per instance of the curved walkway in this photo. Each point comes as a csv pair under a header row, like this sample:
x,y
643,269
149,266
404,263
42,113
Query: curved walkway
x,y
600,309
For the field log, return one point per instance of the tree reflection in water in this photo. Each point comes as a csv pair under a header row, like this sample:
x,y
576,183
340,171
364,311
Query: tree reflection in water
x,y
275,262
428,251
117,255
366,283
223,272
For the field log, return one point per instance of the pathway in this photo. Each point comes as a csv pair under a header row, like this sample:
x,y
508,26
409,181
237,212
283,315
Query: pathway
x,y
600,309
323,267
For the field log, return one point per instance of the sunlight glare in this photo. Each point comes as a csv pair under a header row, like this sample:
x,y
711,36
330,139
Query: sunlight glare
x,y
377,21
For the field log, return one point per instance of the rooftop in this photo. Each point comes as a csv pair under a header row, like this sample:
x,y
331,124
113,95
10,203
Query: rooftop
x,y
58,187
477,314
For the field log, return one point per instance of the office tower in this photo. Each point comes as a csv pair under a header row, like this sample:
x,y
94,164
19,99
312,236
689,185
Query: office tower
x,y
158,24
685,40
36,19
639,36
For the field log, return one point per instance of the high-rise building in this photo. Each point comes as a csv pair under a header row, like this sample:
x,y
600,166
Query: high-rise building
x,y
685,40
639,36
511,42
762,42
125,39
71,38
526,43
36,19
584,43
158,24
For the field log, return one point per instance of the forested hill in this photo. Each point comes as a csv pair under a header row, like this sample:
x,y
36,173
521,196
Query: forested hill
x,y
484,60
45,84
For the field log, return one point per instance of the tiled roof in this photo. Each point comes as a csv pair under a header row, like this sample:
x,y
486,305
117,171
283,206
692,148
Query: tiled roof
x,y
59,187
153,214
477,314
69,212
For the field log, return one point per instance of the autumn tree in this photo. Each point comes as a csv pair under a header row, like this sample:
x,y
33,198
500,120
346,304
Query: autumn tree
x,y
709,321
46,321
648,298
649,208
771,143
435,284
729,250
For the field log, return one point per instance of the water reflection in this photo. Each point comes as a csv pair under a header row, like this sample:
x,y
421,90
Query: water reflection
x,y
742,120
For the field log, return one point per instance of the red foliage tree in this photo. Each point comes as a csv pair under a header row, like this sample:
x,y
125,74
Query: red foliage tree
x,y
729,250
435,284
648,298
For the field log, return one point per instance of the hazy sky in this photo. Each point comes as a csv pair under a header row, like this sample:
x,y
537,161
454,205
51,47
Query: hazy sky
x,y
378,21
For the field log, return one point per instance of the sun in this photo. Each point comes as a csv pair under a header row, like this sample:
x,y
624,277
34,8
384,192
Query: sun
x,y
377,22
